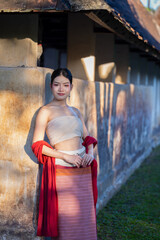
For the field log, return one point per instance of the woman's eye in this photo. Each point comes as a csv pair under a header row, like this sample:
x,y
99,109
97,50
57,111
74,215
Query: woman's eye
x,y
66,85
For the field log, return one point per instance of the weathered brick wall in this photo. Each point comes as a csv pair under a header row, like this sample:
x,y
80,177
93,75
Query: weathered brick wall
x,y
21,95
121,117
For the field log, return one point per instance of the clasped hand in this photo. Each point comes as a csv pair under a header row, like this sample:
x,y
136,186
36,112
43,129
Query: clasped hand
x,y
81,161
86,160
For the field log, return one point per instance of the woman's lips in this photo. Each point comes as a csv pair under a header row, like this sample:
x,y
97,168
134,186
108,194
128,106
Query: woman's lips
x,y
61,94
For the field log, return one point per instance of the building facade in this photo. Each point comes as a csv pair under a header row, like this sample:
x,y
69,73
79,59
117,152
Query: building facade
x,y
115,61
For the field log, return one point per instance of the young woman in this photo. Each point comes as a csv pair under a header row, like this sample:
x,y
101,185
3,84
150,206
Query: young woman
x,y
68,190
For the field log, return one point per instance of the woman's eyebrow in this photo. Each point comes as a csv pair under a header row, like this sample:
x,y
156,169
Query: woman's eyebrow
x,y
63,83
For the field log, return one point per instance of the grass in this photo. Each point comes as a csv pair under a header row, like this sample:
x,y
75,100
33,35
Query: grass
x,y
134,212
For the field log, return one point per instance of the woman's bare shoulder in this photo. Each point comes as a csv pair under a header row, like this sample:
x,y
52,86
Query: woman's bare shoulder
x,y
47,108
77,111
44,111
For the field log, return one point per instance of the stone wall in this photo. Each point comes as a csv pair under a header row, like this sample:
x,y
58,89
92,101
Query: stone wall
x,y
21,95
121,117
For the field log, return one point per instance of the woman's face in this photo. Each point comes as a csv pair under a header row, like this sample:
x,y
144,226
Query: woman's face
x,y
61,87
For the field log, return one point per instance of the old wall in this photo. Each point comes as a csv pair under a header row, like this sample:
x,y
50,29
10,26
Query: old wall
x,y
105,57
22,87
122,63
81,46
21,95
122,118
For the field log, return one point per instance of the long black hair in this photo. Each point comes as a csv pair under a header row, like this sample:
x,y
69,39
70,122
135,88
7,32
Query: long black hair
x,y
61,71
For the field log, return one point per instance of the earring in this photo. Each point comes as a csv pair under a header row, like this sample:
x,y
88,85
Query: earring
x,y
69,97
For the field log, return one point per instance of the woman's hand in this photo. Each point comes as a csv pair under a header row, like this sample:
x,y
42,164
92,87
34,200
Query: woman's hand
x,y
73,159
87,159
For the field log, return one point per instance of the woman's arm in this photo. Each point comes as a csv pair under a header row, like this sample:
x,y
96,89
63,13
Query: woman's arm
x,y
73,159
88,158
39,131
40,124
85,132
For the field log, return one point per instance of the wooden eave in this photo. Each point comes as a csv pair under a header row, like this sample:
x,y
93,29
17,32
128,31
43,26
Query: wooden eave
x,y
34,5
99,11
123,30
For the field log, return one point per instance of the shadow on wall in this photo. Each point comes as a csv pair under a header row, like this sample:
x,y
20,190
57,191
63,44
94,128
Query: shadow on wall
x,y
46,99
14,23
48,92
27,146
28,150
123,127
103,102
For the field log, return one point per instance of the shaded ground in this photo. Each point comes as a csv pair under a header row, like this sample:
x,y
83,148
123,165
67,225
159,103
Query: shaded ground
x,y
134,212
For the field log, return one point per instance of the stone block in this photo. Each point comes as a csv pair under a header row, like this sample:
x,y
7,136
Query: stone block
x,y
18,52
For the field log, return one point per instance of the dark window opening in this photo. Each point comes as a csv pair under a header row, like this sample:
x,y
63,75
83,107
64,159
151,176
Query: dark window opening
x,y
52,43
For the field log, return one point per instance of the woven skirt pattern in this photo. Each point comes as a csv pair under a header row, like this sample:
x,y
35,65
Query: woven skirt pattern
x,y
76,212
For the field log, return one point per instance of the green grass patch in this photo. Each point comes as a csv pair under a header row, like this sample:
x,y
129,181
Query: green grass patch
x,y
134,212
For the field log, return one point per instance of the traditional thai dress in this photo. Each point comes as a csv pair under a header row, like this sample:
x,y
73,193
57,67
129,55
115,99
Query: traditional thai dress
x,y
68,194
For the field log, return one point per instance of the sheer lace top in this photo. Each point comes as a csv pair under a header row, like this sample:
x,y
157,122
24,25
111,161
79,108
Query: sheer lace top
x,y
63,128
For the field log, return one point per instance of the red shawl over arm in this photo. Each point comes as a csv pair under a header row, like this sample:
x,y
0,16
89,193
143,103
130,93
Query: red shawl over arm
x,y
87,141
48,202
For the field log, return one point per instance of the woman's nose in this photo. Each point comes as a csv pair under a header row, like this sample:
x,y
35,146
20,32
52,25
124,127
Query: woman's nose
x,y
61,87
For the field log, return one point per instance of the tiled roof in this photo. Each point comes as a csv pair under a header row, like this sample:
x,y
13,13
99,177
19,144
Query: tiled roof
x,y
157,16
33,5
131,14
139,19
